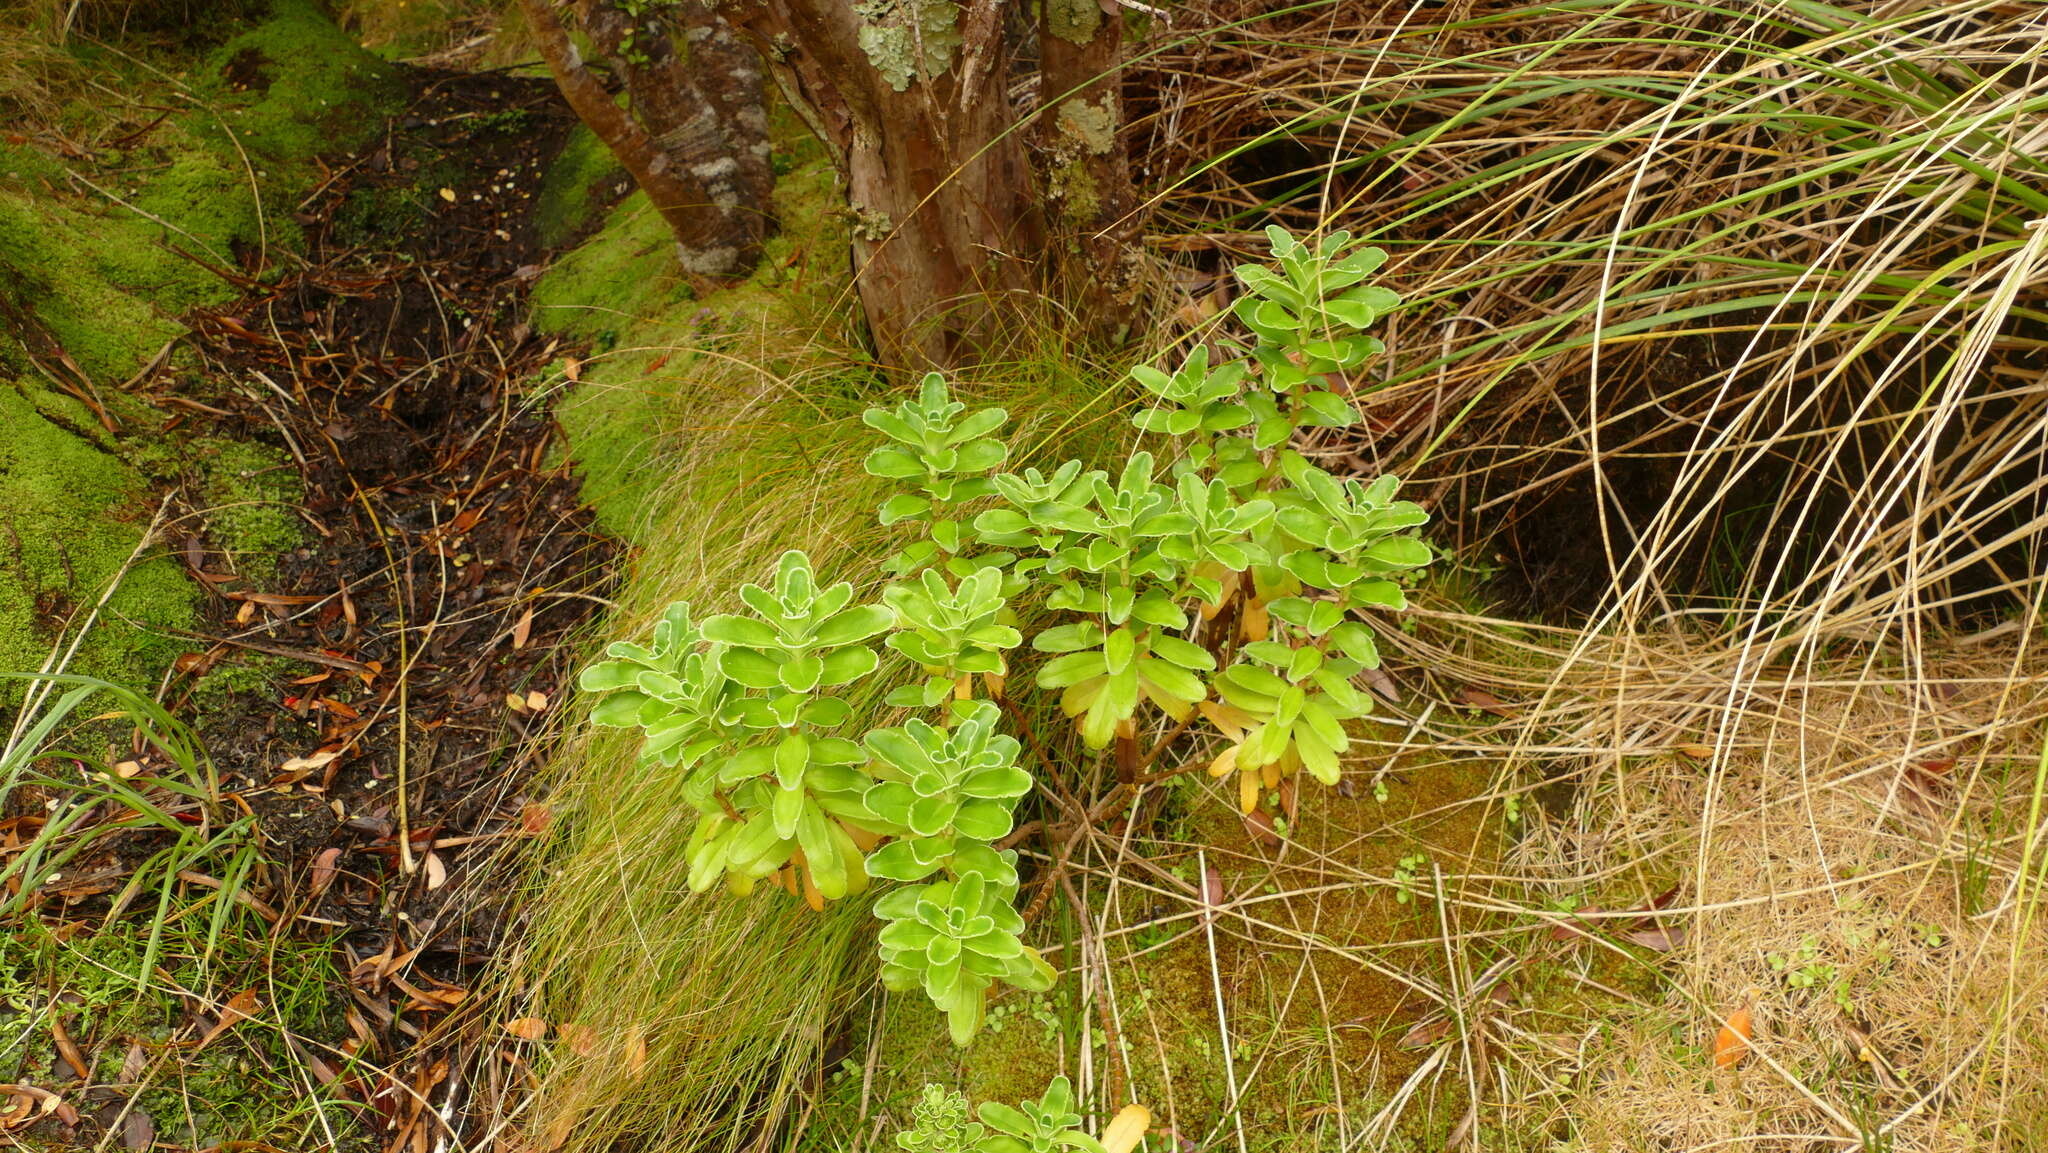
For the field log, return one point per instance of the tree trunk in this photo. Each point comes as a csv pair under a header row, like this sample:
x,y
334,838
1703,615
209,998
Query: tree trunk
x,y
699,150
910,97
1086,167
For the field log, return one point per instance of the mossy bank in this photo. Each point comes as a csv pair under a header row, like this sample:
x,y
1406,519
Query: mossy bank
x,y
117,221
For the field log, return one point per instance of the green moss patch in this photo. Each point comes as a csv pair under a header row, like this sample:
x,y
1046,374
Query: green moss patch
x,y
581,181
71,512
107,257
652,339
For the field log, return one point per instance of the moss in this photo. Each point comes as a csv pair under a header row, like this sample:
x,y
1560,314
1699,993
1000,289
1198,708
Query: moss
x,y
250,492
622,292
70,514
58,273
576,186
296,86
102,276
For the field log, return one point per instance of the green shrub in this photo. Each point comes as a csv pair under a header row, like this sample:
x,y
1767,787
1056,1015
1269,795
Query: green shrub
x,y
1237,531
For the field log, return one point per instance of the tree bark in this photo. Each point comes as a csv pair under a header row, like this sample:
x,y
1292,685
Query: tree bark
x,y
946,222
702,162
1083,160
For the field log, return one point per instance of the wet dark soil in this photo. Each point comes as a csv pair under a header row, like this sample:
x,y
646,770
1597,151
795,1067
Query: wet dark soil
x,y
412,650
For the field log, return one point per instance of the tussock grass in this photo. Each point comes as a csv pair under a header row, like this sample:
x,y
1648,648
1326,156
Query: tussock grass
x,y
1720,279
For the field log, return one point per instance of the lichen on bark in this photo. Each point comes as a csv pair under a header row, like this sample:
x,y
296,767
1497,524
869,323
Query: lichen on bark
x,y
1074,21
909,39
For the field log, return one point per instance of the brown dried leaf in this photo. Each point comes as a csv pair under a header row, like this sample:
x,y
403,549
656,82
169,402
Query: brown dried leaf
x,y
1481,699
138,1131
1563,931
523,630
581,1039
239,1008
1661,939
1425,1034
536,701
1260,826
324,867
527,1028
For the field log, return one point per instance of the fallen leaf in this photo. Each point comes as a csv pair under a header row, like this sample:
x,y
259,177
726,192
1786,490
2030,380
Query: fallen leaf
x,y
636,1053
523,630
68,1049
515,702
581,1039
534,818
238,1009
448,194
1378,680
324,868
527,1028
138,1131
437,872
299,768
1661,939
536,701
1563,931
1695,752
1260,826
1425,1034
1126,1129
1481,699
127,769
1731,1043
572,368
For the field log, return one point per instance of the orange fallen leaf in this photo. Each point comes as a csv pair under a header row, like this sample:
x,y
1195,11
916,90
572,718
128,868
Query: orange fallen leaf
x,y
534,818
527,1028
239,1008
636,1053
524,629
1731,1043
572,368
536,700
324,867
581,1039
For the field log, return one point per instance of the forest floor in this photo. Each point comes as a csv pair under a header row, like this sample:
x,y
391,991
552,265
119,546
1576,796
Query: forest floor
x,y
374,694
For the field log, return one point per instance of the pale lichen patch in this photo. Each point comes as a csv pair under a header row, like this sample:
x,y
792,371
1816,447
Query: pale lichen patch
x,y
908,39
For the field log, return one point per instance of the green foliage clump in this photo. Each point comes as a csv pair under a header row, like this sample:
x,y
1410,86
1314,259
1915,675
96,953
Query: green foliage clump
x,y
939,1124
1136,571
